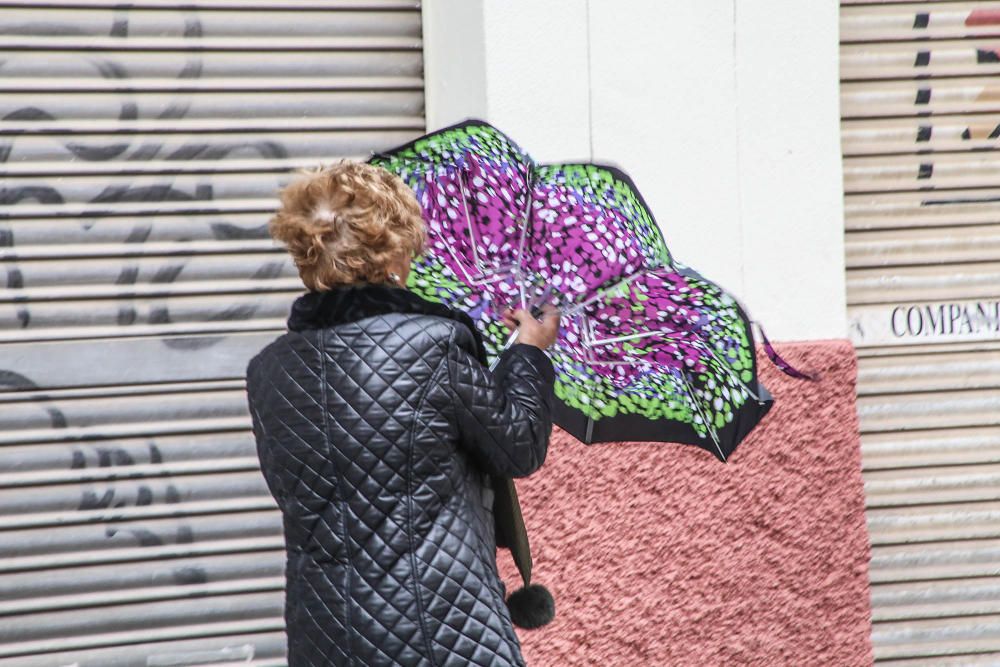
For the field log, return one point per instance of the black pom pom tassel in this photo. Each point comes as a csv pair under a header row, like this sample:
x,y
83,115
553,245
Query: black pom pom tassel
x,y
531,606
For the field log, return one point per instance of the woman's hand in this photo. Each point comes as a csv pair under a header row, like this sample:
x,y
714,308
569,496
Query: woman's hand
x,y
541,332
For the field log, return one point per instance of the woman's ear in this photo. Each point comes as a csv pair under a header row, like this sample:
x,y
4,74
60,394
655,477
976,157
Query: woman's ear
x,y
401,267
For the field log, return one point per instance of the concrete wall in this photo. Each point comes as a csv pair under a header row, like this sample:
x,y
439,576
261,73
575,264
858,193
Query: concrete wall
x,y
727,118
658,555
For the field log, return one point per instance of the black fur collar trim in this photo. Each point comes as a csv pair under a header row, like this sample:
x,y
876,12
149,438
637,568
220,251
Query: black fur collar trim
x,y
355,301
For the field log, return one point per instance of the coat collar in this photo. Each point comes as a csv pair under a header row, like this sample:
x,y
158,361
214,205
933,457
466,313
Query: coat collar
x,y
351,302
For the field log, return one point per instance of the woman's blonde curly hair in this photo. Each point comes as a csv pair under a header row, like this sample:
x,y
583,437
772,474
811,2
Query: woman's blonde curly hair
x,y
347,223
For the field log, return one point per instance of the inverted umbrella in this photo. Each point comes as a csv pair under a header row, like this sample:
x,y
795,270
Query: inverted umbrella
x,y
648,349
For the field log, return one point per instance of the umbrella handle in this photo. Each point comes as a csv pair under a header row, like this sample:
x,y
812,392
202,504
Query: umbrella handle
x,y
510,341
536,310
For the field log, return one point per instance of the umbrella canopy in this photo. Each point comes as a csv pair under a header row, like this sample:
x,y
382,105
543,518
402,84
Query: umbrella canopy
x,y
648,349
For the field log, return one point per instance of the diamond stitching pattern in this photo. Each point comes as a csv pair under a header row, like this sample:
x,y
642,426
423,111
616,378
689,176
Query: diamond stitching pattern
x,y
375,437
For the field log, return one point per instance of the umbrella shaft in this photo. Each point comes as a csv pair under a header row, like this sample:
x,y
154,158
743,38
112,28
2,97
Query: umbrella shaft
x,y
510,341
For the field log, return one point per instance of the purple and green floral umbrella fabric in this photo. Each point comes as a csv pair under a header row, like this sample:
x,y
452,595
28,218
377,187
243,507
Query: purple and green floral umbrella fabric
x,y
648,349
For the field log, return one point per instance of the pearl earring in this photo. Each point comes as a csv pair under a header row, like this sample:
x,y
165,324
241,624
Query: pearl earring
x,y
395,277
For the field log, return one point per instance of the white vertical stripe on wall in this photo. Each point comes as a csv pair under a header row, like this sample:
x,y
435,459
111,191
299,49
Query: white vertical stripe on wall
x,y
665,109
791,204
738,158
518,64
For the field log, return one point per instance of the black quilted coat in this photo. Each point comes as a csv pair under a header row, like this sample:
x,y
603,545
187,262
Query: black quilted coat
x,y
380,433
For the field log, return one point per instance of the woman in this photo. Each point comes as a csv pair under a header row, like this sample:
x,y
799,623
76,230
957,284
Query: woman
x,y
378,430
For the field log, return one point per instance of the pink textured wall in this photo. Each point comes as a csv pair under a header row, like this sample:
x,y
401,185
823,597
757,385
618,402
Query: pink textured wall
x,y
658,554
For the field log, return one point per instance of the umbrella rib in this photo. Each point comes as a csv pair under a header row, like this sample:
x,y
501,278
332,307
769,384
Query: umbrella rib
x,y
525,218
451,250
601,292
468,221
704,417
689,394
694,340
458,262
585,330
427,173
629,362
641,334
488,278
732,373
697,342
518,267
632,362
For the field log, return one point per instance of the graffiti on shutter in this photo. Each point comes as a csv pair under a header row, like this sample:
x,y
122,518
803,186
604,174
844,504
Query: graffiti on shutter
x,y
142,148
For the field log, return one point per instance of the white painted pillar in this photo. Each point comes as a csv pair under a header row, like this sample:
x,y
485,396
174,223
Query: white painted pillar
x,y
791,177
725,114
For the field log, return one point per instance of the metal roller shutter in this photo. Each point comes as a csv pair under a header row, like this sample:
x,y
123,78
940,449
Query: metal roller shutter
x,y
920,107
142,145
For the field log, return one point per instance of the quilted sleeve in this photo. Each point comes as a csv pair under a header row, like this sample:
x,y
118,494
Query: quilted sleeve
x,y
504,417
